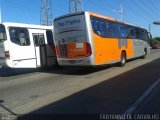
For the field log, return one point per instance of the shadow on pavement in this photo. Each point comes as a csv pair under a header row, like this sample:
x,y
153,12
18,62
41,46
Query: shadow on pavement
x,y
7,72
65,70
112,96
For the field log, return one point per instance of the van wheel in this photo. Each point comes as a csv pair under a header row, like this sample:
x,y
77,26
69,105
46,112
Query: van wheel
x,y
144,54
123,59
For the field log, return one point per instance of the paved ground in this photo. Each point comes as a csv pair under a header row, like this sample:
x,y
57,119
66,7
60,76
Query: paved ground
x,y
71,90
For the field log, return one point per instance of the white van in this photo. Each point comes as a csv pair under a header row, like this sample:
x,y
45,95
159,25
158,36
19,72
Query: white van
x,y
26,46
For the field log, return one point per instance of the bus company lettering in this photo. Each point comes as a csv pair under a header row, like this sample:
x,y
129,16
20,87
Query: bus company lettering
x,y
67,23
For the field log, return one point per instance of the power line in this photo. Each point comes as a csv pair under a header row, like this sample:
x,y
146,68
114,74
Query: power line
x,y
149,8
142,15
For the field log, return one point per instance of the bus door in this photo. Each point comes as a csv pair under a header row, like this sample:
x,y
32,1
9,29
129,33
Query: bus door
x,y
40,49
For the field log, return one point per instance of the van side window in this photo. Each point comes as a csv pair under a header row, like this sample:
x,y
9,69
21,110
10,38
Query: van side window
x,y
3,35
19,36
38,39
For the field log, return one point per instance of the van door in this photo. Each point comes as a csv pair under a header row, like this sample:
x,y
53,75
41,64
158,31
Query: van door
x,y
40,49
21,48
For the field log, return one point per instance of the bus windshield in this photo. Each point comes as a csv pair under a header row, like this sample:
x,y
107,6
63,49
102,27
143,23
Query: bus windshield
x,y
2,33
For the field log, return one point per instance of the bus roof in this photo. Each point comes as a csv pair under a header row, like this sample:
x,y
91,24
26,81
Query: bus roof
x,y
68,15
32,26
112,19
96,15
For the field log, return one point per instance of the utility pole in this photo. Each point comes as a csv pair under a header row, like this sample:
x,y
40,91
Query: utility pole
x,y
149,28
75,6
46,16
0,12
0,15
121,11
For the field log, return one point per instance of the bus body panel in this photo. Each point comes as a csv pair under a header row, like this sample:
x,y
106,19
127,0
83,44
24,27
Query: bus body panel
x,y
139,46
108,51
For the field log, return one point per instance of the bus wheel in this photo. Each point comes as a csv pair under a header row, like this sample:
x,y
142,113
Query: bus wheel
x,y
123,59
144,54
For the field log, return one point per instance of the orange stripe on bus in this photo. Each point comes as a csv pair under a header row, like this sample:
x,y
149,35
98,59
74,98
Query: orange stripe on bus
x,y
106,49
101,16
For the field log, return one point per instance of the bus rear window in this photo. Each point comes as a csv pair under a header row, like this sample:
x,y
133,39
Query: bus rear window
x,y
2,33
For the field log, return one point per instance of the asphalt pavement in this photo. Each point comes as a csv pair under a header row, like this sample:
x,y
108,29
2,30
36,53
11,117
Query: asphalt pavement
x,y
81,93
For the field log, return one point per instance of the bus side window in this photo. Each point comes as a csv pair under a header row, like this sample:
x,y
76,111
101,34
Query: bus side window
x,y
19,36
98,30
123,31
116,32
131,32
94,25
102,28
98,26
144,35
109,30
49,37
137,30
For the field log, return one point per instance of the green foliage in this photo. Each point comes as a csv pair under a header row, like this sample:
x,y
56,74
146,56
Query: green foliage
x,y
155,41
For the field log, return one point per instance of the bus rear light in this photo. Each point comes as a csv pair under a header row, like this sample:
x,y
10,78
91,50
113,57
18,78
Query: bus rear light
x,y
89,49
7,54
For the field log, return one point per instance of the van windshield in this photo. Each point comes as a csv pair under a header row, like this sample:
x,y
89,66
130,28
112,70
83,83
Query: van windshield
x,y
2,33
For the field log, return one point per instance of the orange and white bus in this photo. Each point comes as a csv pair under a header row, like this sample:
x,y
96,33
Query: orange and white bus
x,y
90,39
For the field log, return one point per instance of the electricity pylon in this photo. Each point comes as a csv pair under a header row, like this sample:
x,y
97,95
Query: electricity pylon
x,y
75,6
46,16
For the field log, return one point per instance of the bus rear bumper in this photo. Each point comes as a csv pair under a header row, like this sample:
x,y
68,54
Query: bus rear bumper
x,y
75,62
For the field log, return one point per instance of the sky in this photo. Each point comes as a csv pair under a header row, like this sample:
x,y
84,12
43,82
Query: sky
x,y
138,12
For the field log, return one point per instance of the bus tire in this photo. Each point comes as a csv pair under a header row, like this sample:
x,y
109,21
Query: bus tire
x,y
122,59
145,54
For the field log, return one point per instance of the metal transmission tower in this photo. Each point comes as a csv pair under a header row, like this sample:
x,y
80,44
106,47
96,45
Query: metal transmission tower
x,y
121,11
75,6
46,12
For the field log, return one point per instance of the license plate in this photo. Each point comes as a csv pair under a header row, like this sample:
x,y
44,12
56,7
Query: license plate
x,y
72,61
